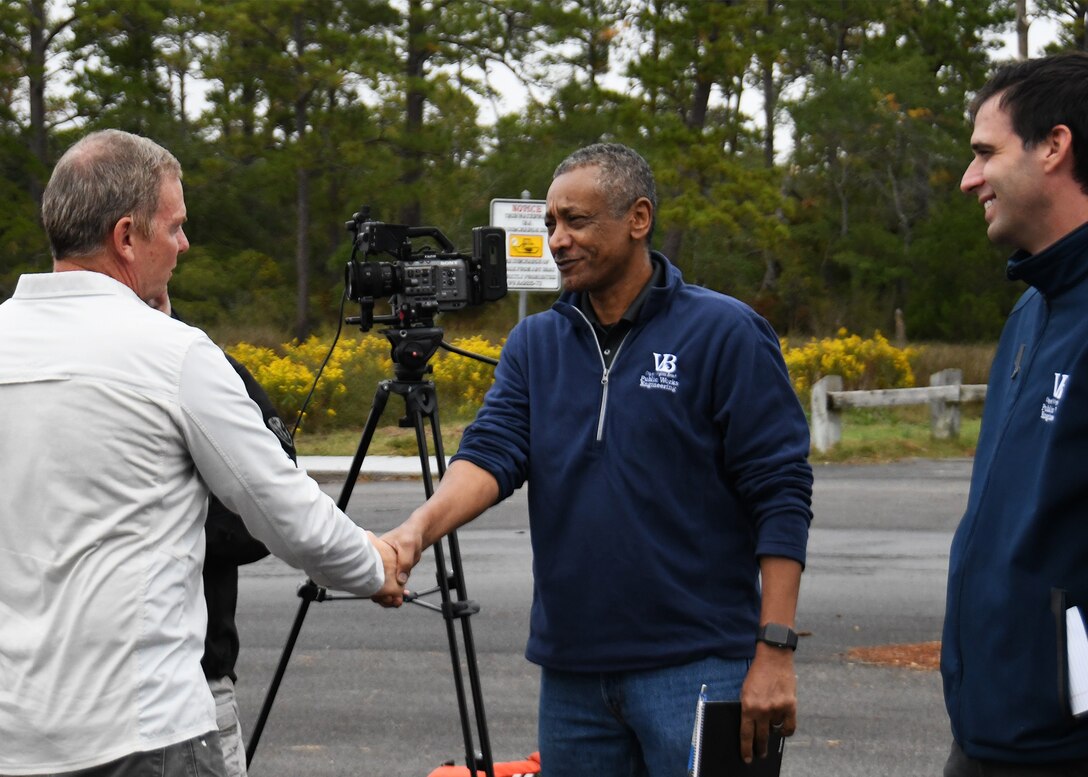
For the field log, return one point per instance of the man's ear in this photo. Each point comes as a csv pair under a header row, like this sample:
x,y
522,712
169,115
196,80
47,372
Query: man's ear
x,y
641,219
120,239
1058,148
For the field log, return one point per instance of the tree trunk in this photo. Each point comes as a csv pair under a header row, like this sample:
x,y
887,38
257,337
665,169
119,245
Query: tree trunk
x,y
772,268
695,122
302,207
670,246
183,119
1022,25
36,78
302,253
334,195
770,103
415,100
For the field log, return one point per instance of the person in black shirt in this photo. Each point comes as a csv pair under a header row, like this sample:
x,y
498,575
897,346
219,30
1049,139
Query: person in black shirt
x,y
229,546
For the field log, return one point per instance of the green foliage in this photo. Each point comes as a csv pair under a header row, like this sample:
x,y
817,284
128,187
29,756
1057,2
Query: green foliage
x,y
288,116
880,145
958,289
23,247
1072,17
209,292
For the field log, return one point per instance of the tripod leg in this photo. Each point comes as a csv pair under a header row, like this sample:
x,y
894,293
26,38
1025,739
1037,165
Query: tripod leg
x,y
266,706
309,590
466,626
381,397
470,655
424,402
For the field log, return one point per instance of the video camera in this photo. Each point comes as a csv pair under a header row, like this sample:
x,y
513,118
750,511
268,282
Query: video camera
x,y
421,283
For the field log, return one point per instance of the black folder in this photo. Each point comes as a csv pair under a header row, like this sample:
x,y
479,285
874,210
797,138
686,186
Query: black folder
x,y
720,745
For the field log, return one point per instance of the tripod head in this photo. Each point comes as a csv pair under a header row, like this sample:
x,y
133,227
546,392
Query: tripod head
x,y
411,350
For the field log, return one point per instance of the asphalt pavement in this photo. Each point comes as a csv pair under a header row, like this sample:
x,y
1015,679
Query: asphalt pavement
x,y
372,692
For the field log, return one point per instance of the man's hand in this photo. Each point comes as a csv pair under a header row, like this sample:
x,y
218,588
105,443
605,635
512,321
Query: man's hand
x,y
768,698
407,544
391,594
464,492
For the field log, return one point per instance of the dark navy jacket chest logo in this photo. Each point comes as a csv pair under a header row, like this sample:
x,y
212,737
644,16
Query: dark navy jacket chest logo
x,y
663,375
1050,404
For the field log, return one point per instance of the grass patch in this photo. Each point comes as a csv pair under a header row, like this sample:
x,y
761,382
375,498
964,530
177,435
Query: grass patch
x,y
869,436
387,441
881,435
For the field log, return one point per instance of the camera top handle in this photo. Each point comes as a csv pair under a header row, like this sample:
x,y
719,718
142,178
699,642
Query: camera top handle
x,y
447,245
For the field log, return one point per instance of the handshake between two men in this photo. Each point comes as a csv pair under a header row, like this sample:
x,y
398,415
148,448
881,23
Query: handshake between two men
x,y
464,492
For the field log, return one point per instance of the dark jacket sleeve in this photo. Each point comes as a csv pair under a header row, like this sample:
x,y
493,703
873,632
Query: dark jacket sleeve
x,y
227,538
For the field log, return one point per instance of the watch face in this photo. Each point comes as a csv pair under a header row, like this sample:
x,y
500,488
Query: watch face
x,y
777,634
773,632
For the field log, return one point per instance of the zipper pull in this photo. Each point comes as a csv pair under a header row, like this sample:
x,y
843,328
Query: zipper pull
x,y
1016,364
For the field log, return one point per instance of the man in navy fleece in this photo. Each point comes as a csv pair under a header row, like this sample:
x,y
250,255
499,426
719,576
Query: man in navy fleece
x,y
669,490
1021,551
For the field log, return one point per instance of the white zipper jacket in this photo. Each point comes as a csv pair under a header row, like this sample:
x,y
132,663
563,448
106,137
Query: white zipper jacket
x,y
117,421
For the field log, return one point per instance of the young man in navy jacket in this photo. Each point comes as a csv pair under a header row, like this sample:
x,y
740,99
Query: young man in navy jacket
x,y
1021,551
669,492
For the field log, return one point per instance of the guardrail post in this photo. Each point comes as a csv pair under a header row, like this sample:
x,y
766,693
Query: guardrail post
x,y
944,416
826,420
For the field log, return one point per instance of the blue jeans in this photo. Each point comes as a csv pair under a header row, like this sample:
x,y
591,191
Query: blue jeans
x,y
628,724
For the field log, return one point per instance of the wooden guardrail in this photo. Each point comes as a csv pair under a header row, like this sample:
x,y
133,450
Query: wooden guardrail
x,y
944,395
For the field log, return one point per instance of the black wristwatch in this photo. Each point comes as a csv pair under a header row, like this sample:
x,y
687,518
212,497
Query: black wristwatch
x,y
777,635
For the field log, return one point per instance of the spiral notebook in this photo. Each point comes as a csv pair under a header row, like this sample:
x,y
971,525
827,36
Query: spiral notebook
x,y
715,743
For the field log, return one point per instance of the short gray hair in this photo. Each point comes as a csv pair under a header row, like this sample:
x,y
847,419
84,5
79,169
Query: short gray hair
x,y
104,177
623,175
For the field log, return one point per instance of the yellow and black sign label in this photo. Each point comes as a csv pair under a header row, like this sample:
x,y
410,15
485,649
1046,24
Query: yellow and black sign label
x,y
527,246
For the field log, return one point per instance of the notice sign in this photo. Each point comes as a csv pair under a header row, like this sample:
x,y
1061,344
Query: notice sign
x,y
529,264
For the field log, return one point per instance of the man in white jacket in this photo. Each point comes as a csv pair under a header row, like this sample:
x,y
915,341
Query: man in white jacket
x,y
119,421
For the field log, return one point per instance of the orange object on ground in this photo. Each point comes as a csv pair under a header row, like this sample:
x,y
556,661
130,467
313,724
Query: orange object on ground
x,y
530,765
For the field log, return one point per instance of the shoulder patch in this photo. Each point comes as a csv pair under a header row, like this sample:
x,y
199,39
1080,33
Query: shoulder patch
x,y
279,428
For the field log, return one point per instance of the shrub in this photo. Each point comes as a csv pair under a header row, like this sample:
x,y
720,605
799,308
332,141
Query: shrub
x,y
463,381
284,380
344,393
863,364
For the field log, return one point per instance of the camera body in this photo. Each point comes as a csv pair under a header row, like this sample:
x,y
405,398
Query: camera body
x,y
420,283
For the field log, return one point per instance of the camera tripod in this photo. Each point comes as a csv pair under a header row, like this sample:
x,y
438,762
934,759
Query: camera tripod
x,y
411,351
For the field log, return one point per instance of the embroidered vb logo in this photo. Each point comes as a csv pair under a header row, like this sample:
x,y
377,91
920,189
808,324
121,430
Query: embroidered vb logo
x,y
1050,404
665,363
663,375
1060,382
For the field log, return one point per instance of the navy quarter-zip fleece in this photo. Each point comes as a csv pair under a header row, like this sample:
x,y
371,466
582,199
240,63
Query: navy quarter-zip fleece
x,y
655,484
